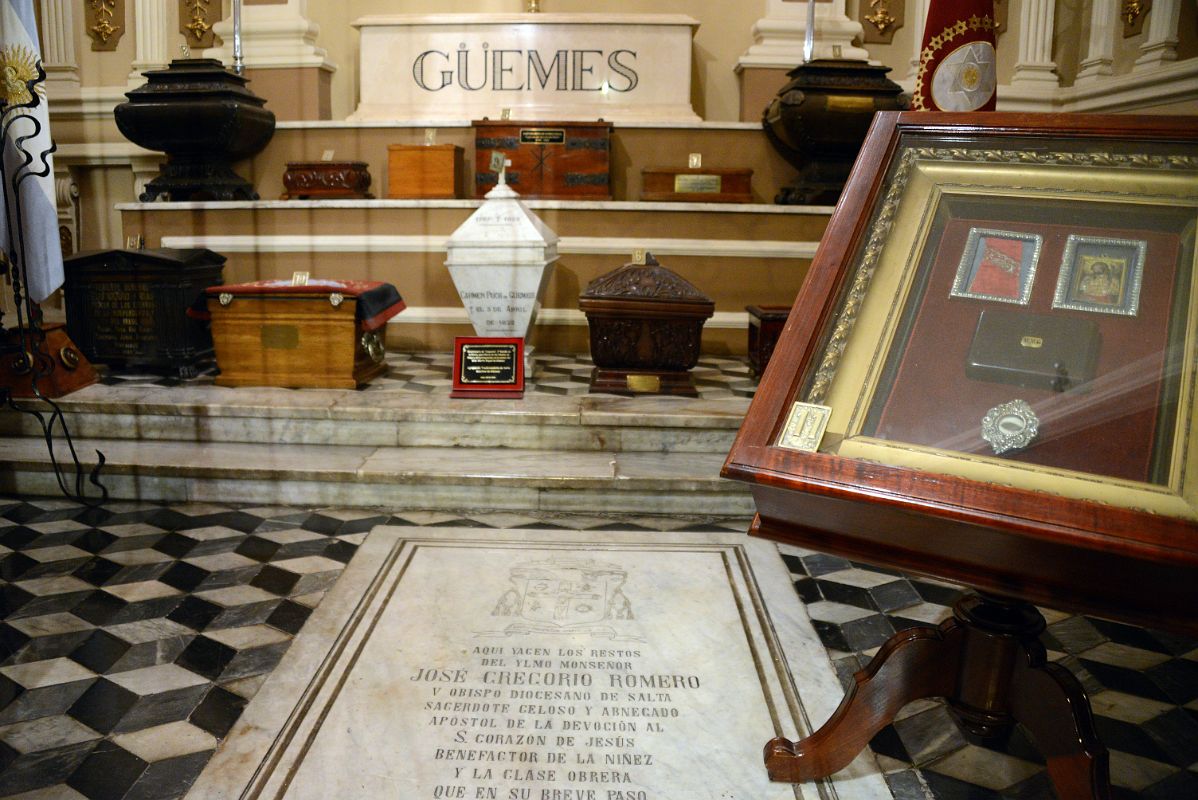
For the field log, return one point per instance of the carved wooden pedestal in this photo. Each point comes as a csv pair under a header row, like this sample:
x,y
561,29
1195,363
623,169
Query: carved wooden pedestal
x,y
988,663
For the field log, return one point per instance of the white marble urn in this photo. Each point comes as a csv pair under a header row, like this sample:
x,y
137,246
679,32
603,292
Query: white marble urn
x,y
500,260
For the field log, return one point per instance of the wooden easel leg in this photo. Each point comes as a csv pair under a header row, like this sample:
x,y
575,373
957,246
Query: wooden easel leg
x,y
989,664
913,664
1052,705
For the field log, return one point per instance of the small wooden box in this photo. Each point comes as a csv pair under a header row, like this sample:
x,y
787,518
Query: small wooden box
x,y
326,180
424,171
697,185
271,334
552,160
765,326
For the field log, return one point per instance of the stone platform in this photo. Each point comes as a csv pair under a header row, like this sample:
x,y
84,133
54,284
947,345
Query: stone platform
x,y
402,443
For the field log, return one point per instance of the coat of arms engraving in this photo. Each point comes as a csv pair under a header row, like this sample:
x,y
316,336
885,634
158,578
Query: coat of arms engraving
x,y
563,595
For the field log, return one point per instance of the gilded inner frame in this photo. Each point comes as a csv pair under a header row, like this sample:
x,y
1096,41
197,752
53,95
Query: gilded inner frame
x,y
887,266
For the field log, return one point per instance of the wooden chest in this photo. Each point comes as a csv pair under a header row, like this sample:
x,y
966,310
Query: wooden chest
x,y
765,326
554,160
327,334
326,180
429,171
697,184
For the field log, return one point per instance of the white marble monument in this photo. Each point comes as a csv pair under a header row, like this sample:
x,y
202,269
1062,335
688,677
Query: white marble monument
x,y
618,67
500,260
518,665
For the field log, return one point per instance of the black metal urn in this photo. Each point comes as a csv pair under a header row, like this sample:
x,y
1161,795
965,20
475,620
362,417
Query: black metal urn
x,y
819,120
205,119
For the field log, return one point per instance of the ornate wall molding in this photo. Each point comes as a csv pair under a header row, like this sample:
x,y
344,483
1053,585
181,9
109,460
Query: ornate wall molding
x,y
104,23
880,19
1134,13
196,19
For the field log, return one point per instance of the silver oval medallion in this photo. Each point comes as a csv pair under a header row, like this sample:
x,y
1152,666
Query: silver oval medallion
x,y
1010,426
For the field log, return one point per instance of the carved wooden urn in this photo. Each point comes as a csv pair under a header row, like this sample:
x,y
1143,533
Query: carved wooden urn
x,y
646,325
205,119
819,120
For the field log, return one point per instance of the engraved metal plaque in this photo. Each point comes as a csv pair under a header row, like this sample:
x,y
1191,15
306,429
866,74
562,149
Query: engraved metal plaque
x,y
542,136
698,184
805,427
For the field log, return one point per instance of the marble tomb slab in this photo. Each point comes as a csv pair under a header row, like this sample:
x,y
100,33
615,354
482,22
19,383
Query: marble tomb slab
x,y
528,665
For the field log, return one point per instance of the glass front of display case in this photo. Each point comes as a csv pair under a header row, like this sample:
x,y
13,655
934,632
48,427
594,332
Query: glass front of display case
x,y
1021,310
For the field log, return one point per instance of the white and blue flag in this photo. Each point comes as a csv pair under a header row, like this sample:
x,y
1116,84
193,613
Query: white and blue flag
x,y
33,222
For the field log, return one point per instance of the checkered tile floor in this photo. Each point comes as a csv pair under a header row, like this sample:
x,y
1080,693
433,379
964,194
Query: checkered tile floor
x,y
134,635
1143,688
552,374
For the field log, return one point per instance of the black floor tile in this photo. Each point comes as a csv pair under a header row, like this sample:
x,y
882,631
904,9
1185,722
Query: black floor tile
x,y
218,711
289,617
946,788
886,742
195,612
1128,738
1176,733
318,523
1177,679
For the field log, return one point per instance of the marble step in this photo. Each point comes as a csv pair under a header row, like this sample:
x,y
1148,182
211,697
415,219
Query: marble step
x,y
433,478
339,418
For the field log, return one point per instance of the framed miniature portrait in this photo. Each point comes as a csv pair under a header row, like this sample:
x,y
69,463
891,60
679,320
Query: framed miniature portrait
x,y
998,265
1101,274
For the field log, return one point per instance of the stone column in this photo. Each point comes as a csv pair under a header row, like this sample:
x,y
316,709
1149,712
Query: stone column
x,y
919,11
1035,67
155,24
1160,43
58,47
1100,50
278,44
778,47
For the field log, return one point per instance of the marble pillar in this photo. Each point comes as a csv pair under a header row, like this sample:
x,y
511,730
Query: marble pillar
x,y
58,47
1035,67
154,23
1160,41
1100,48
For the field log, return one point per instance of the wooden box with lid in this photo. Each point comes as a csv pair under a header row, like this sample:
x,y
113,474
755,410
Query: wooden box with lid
x,y
325,334
550,160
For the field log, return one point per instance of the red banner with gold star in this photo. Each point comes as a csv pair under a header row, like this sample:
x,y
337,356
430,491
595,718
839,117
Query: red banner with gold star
x,y
956,62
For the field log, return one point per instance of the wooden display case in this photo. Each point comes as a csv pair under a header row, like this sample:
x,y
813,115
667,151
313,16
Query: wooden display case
x,y
991,379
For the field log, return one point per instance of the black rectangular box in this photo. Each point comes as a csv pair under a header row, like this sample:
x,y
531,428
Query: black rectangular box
x,y
1038,351
128,308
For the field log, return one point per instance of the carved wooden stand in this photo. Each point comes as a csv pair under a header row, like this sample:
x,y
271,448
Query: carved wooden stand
x,y
988,663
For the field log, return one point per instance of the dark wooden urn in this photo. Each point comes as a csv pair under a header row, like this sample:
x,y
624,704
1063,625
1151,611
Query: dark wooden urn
x,y
819,120
646,325
205,119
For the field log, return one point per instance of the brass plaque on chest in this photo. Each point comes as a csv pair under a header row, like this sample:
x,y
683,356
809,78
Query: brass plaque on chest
x,y
542,136
698,184
643,383
280,337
